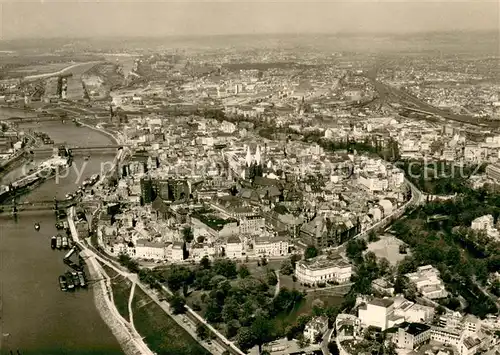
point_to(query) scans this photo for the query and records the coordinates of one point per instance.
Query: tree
(495, 288)
(302, 342)
(262, 330)
(202, 331)
(390, 349)
(373, 237)
(177, 276)
(232, 328)
(333, 348)
(230, 310)
(331, 312)
(177, 304)
(355, 248)
(411, 292)
(311, 252)
(440, 310)
(401, 284)
(205, 263)
(225, 267)
(243, 271)
(245, 338)
(318, 307)
(213, 311)
(271, 278)
(384, 267)
(302, 321)
(286, 267)
(187, 234)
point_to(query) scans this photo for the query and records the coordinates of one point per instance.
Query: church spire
(257, 156)
(248, 158)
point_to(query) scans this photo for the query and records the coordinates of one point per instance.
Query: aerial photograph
(231, 177)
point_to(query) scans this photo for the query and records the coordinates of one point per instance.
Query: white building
(482, 223)
(199, 251)
(234, 247)
(269, 246)
(412, 312)
(377, 313)
(175, 252)
(373, 183)
(145, 249)
(428, 282)
(412, 335)
(322, 270)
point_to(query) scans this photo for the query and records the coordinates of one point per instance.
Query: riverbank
(130, 342)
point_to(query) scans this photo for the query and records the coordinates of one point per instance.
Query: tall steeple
(257, 156)
(248, 158)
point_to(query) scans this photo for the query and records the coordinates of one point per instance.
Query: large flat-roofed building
(377, 313)
(411, 335)
(323, 269)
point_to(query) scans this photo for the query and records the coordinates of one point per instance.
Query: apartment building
(234, 247)
(270, 246)
(411, 335)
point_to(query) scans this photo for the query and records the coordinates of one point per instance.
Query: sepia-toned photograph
(233, 177)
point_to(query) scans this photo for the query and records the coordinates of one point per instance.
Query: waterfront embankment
(130, 341)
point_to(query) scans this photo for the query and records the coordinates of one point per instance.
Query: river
(36, 317)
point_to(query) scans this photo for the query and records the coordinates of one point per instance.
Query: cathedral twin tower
(253, 164)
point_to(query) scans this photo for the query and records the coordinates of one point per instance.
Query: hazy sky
(71, 18)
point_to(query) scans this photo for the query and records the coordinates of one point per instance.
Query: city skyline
(112, 19)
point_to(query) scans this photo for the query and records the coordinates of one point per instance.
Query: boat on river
(81, 276)
(59, 242)
(76, 279)
(53, 242)
(37, 226)
(65, 244)
(69, 280)
(63, 283)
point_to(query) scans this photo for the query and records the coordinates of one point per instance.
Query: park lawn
(111, 272)
(121, 292)
(286, 281)
(161, 333)
(305, 307)
(195, 296)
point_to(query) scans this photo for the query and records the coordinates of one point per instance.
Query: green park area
(464, 257)
(161, 333)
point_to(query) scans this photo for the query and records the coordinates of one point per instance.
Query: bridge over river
(42, 205)
(76, 151)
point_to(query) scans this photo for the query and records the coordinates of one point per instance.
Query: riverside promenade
(129, 339)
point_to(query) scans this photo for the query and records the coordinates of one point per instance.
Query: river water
(36, 317)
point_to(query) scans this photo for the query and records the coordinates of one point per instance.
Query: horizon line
(254, 34)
